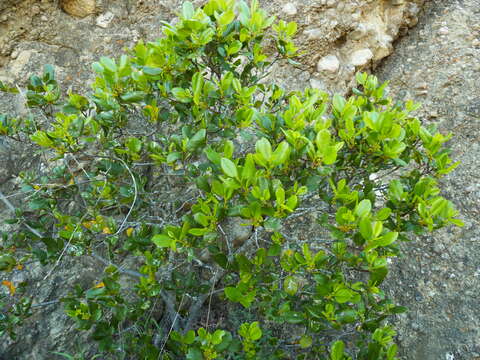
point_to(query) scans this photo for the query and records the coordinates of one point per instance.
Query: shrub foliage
(187, 163)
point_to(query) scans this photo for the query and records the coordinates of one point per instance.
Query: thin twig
(70, 240)
(46, 303)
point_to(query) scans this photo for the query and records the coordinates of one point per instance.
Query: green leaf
(338, 103)
(336, 351)
(392, 351)
(399, 309)
(202, 183)
(249, 170)
(108, 64)
(182, 95)
(66, 356)
(42, 139)
(378, 275)
(162, 240)
(264, 148)
(280, 195)
(255, 332)
(201, 218)
(322, 140)
(343, 295)
(197, 85)
(134, 145)
(234, 47)
(197, 140)
(305, 341)
(212, 155)
(292, 202)
(198, 231)
(228, 149)
(384, 214)
(174, 156)
(457, 222)
(49, 72)
(133, 96)
(347, 316)
(281, 153)
(226, 18)
(188, 10)
(194, 353)
(244, 12)
(7, 263)
(294, 317)
(290, 285)
(363, 208)
(217, 336)
(229, 168)
(233, 294)
(272, 224)
(387, 239)
(152, 71)
(365, 226)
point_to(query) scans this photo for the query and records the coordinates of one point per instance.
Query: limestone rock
(290, 9)
(313, 34)
(361, 57)
(237, 230)
(359, 33)
(78, 8)
(328, 63)
(443, 30)
(317, 84)
(104, 20)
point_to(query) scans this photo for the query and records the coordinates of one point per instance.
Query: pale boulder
(290, 9)
(329, 63)
(361, 57)
(78, 8)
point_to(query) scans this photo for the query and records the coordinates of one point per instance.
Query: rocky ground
(437, 62)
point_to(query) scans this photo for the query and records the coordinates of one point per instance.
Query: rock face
(438, 64)
(77, 39)
(359, 33)
(78, 8)
(361, 57)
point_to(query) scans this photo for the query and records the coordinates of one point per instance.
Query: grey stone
(329, 63)
(359, 32)
(290, 9)
(361, 57)
(314, 34)
(104, 20)
(236, 230)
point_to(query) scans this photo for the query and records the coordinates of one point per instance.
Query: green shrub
(187, 163)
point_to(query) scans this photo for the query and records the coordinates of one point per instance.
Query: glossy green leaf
(229, 167)
(363, 208)
(290, 285)
(162, 240)
(337, 350)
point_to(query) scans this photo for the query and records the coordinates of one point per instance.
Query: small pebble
(289, 9)
(328, 63)
(361, 57)
(313, 34)
(443, 30)
(104, 20)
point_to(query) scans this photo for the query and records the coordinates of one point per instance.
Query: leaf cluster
(186, 162)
